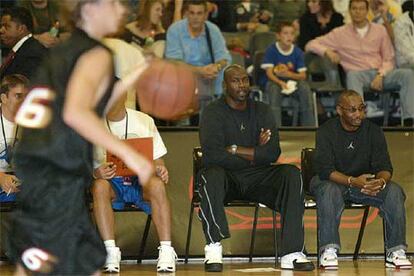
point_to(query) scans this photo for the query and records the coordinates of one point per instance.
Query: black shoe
(213, 267)
(306, 266)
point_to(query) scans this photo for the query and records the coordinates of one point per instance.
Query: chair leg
(315, 108)
(318, 245)
(361, 233)
(144, 239)
(190, 224)
(386, 107)
(275, 238)
(295, 118)
(384, 233)
(256, 215)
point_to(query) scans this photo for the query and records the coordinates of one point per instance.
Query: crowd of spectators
(152, 26)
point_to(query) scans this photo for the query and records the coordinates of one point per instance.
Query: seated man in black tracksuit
(240, 142)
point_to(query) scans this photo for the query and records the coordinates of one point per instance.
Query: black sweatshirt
(350, 153)
(222, 126)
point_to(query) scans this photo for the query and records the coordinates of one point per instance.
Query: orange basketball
(168, 90)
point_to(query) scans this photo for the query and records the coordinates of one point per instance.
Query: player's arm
(87, 84)
(124, 84)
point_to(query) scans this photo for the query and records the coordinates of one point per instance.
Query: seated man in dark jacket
(240, 142)
(352, 164)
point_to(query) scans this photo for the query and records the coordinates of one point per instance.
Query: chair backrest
(321, 69)
(260, 41)
(237, 58)
(308, 172)
(257, 70)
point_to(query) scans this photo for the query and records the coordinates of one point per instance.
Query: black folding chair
(195, 203)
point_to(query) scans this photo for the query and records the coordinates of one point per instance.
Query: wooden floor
(347, 268)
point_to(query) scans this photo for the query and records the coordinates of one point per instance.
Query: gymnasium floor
(261, 268)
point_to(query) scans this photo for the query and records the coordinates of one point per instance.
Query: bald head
(233, 68)
(343, 97)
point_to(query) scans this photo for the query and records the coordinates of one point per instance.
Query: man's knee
(395, 193)
(213, 176)
(154, 189)
(101, 188)
(326, 191)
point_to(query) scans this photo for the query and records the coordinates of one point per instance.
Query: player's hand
(9, 183)
(143, 168)
(333, 56)
(264, 137)
(377, 83)
(105, 171)
(162, 172)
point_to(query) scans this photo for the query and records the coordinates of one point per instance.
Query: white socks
(165, 243)
(109, 243)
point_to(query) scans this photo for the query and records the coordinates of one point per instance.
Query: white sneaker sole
(329, 267)
(111, 269)
(391, 265)
(165, 269)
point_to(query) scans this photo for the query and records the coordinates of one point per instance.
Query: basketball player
(52, 232)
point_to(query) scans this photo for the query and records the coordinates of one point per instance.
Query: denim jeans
(302, 95)
(403, 77)
(331, 198)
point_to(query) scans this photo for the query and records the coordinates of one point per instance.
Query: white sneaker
(113, 259)
(166, 259)
(296, 261)
(213, 261)
(398, 259)
(329, 259)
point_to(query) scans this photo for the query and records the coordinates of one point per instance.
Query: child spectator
(286, 74)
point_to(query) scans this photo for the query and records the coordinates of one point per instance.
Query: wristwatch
(219, 67)
(233, 149)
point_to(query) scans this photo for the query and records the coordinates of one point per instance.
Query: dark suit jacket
(27, 59)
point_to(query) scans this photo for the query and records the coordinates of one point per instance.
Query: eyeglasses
(361, 108)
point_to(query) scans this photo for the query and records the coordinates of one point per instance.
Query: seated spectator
(26, 53)
(319, 19)
(200, 44)
(147, 28)
(284, 64)
(382, 13)
(173, 12)
(258, 23)
(13, 90)
(342, 7)
(366, 53)
(353, 165)
(287, 11)
(47, 26)
(240, 141)
(404, 37)
(126, 123)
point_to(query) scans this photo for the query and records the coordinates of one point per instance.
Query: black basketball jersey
(58, 144)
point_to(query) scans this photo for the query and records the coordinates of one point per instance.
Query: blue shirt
(274, 55)
(194, 50)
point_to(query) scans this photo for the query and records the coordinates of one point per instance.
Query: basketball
(168, 90)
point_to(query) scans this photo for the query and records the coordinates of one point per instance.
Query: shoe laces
(166, 252)
(330, 253)
(399, 254)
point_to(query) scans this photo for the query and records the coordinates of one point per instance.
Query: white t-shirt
(140, 125)
(9, 135)
(126, 59)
